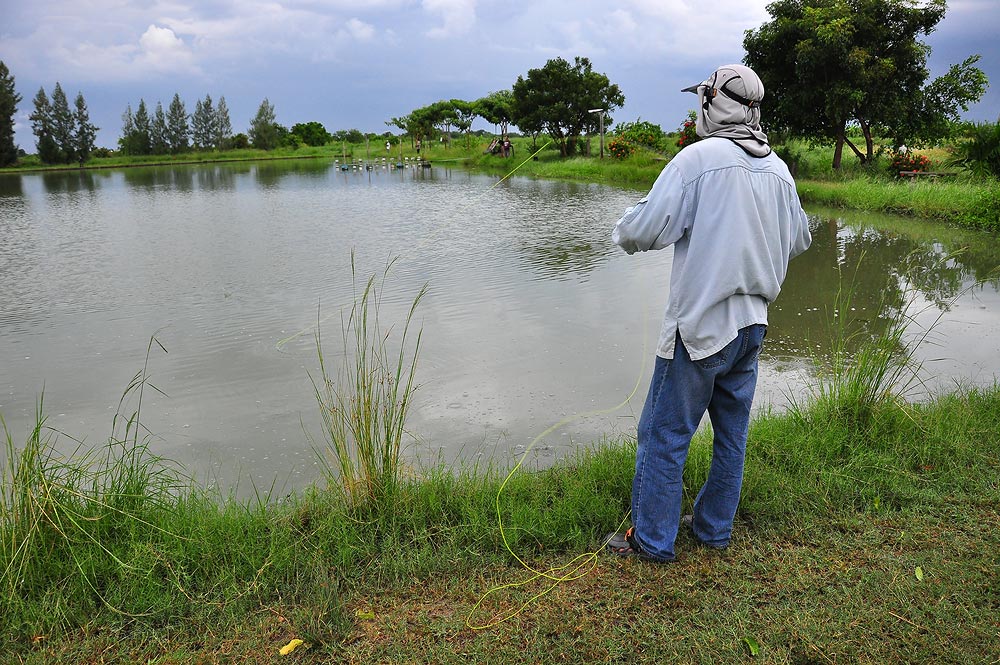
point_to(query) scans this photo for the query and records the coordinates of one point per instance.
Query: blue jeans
(679, 394)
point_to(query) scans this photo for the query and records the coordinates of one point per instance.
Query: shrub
(621, 148)
(688, 134)
(980, 151)
(641, 133)
(909, 161)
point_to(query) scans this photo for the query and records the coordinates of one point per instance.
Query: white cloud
(360, 30)
(458, 15)
(162, 51)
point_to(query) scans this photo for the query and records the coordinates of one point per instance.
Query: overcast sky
(358, 63)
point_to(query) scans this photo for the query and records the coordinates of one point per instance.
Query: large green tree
(203, 131)
(9, 99)
(421, 123)
(84, 132)
(159, 141)
(829, 64)
(223, 125)
(62, 125)
(178, 130)
(42, 126)
(464, 114)
(143, 138)
(264, 132)
(497, 108)
(559, 97)
(311, 133)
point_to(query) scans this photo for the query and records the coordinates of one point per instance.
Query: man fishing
(728, 206)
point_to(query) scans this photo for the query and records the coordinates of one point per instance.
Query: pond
(532, 315)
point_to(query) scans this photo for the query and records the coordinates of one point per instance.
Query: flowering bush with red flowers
(621, 148)
(641, 133)
(628, 137)
(688, 135)
(909, 161)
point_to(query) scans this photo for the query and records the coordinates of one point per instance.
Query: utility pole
(602, 112)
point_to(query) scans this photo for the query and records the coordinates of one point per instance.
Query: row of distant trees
(64, 133)
(559, 99)
(175, 131)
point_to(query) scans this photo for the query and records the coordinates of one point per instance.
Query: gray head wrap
(729, 107)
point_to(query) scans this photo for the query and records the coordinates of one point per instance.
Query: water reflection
(10, 185)
(556, 235)
(270, 174)
(877, 266)
(155, 178)
(215, 178)
(72, 182)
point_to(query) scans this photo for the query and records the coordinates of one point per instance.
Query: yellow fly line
(579, 566)
(582, 564)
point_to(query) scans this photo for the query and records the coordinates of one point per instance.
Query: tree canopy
(84, 132)
(178, 129)
(265, 133)
(497, 108)
(311, 133)
(826, 64)
(203, 121)
(62, 134)
(558, 98)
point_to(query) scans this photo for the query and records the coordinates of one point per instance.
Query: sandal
(624, 544)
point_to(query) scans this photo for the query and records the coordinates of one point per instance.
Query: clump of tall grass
(114, 537)
(365, 401)
(61, 517)
(979, 152)
(865, 371)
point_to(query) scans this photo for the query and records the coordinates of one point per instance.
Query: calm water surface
(532, 314)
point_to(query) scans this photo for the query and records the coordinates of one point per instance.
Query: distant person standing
(729, 207)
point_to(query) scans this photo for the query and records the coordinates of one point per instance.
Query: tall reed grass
(73, 511)
(365, 400)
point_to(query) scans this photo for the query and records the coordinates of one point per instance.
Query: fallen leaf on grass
(919, 572)
(290, 647)
(752, 645)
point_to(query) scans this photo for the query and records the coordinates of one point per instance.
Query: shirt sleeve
(656, 221)
(802, 238)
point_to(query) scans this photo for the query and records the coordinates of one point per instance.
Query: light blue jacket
(735, 221)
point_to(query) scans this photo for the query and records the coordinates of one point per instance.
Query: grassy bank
(876, 543)
(868, 532)
(966, 203)
(31, 164)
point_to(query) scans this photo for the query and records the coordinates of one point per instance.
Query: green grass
(975, 204)
(834, 522)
